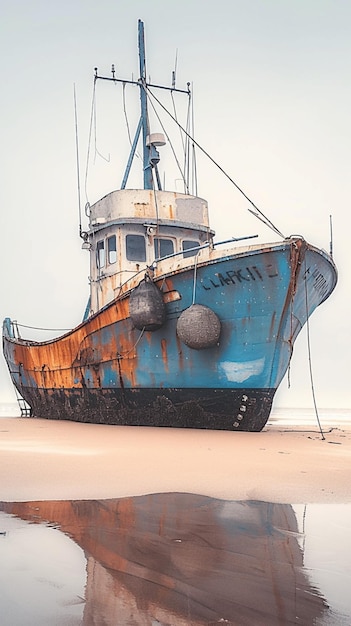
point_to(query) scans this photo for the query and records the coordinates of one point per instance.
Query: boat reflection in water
(180, 559)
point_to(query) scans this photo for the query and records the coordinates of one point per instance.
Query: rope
(135, 274)
(61, 330)
(156, 204)
(257, 213)
(310, 358)
(121, 355)
(195, 275)
(290, 342)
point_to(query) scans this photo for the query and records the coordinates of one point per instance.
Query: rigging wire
(175, 117)
(257, 212)
(97, 152)
(187, 144)
(310, 357)
(125, 112)
(89, 142)
(126, 118)
(92, 128)
(168, 139)
(184, 145)
(77, 161)
(194, 168)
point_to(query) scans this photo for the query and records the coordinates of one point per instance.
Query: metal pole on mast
(148, 182)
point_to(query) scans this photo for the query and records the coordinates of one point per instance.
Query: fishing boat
(179, 330)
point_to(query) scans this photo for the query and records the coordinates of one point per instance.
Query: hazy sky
(272, 101)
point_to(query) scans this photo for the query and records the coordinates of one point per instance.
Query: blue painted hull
(107, 371)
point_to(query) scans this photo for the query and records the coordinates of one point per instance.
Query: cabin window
(111, 249)
(163, 247)
(136, 250)
(188, 248)
(100, 254)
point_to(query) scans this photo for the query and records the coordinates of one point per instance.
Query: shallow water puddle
(174, 559)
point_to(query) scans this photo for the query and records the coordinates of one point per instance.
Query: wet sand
(50, 460)
(172, 559)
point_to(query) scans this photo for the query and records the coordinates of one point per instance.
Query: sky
(272, 101)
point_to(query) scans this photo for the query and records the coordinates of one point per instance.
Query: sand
(51, 460)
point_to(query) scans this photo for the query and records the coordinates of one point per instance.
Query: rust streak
(164, 353)
(271, 329)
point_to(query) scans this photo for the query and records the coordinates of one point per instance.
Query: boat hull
(216, 409)
(108, 371)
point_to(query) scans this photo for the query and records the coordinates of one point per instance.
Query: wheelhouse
(129, 234)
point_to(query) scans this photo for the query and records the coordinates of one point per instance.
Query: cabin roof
(144, 205)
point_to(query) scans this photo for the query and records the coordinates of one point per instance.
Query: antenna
(174, 72)
(331, 235)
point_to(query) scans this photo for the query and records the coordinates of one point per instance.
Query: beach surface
(51, 460)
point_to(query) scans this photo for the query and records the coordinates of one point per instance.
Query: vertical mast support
(148, 182)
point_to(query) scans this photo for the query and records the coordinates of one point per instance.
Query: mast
(150, 142)
(148, 182)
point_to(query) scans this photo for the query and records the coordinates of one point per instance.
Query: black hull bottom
(216, 409)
